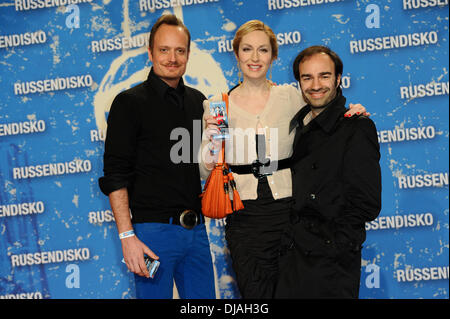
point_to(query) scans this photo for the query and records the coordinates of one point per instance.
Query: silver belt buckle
(189, 223)
(258, 168)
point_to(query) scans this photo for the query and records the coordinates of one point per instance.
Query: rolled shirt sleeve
(120, 145)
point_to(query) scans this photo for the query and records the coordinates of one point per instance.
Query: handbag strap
(221, 158)
(225, 99)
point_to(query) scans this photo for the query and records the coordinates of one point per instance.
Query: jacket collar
(327, 118)
(333, 111)
(297, 120)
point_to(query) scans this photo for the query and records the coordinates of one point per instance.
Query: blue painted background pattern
(62, 62)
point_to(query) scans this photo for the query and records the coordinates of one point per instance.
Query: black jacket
(149, 125)
(336, 189)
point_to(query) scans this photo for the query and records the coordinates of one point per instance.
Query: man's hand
(133, 254)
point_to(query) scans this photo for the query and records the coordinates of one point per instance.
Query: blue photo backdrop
(62, 62)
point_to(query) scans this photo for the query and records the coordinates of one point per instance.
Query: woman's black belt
(261, 169)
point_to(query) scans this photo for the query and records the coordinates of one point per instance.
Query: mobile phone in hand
(219, 111)
(152, 265)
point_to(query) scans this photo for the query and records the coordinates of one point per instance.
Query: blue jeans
(185, 257)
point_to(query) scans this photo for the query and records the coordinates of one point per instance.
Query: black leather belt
(261, 169)
(187, 218)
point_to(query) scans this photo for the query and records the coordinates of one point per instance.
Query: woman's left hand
(357, 109)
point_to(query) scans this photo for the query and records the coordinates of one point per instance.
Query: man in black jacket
(336, 186)
(143, 173)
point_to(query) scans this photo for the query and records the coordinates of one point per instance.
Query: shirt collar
(162, 87)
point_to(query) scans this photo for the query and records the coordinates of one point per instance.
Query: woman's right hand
(211, 127)
(214, 145)
(211, 130)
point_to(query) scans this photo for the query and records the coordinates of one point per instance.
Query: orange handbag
(216, 201)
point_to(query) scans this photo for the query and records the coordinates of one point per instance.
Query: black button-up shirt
(151, 148)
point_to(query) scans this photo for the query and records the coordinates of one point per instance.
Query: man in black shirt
(336, 186)
(145, 173)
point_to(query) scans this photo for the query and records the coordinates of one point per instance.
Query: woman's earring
(239, 74)
(270, 73)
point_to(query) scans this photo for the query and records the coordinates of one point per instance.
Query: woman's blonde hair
(255, 25)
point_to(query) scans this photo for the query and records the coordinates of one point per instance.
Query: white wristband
(126, 234)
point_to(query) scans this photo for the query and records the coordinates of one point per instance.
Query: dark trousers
(253, 236)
